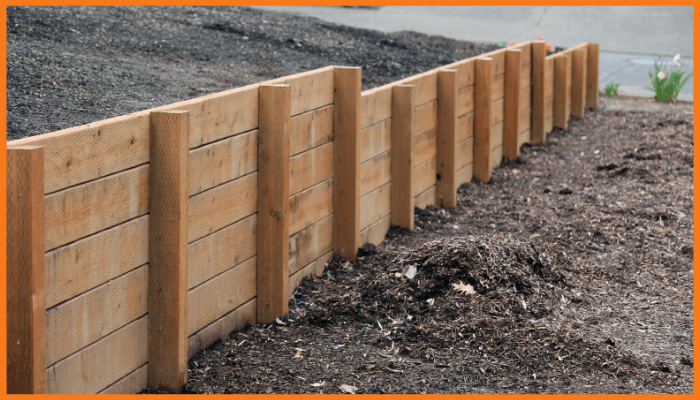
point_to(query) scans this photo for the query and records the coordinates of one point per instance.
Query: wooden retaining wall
(152, 235)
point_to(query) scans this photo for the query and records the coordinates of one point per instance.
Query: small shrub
(611, 89)
(666, 85)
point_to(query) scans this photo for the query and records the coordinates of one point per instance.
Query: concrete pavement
(630, 38)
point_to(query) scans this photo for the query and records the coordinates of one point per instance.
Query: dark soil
(570, 272)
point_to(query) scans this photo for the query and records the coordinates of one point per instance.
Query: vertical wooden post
(482, 119)
(346, 161)
(578, 82)
(274, 116)
(26, 306)
(593, 52)
(561, 91)
(447, 138)
(538, 79)
(512, 105)
(403, 109)
(168, 191)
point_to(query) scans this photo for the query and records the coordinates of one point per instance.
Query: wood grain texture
(103, 363)
(93, 315)
(446, 146)
(578, 82)
(465, 126)
(310, 167)
(426, 117)
(525, 136)
(498, 64)
(222, 327)
(376, 105)
(562, 92)
(424, 147)
(346, 161)
(402, 131)
(496, 156)
(465, 100)
(465, 174)
(91, 207)
(375, 139)
(592, 55)
(310, 129)
(512, 106)
(90, 262)
(376, 232)
(424, 176)
(310, 243)
(310, 205)
(525, 99)
(498, 86)
(526, 50)
(525, 119)
(168, 250)
(26, 305)
(308, 90)
(222, 161)
(376, 205)
(375, 172)
(273, 203)
(482, 119)
(221, 294)
(539, 134)
(465, 72)
(222, 250)
(134, 382)
(465, 153)
(426, 198)
(223, 205)
(525, 74)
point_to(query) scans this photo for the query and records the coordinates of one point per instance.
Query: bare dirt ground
(570, 272)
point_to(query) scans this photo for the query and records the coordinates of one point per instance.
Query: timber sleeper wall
(137, 241)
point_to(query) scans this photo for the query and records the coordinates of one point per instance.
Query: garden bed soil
(571, 271)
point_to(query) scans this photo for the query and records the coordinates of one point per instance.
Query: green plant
(611, 89)
(666, 85)
(328, 274)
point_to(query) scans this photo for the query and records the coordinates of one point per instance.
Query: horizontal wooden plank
(465, 127)
(90, 262)
(497, 111)
(524, 137)
(497, 135)
(424, 147)
(134, 382)
(310, 243)
(310, 167)
(220, 295)
(497, 156)
(102, 363)
(525, 119)
(425, 86)
(375, 105)
(465, 153)
(375, 139)
(314, 268)
(310, 205)
(498, 86)
(375, 205)
(310, 90)
(426, 198)
(222, 327)
(219, 115)
(375, 172)
(88, 208)
(549, 86)
(465, 174)
(376, 232)
(426, 118)
(424, 176)
(222, 161)
(465, 100)
(222, 206)
(525, 75)
(465, 72)
(84, 153)
(222, 250)
(95, 314)
(525, 100)
(310, 129)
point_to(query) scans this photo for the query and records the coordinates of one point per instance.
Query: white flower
(676, 58)
(661, 75)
